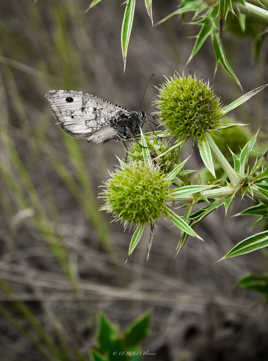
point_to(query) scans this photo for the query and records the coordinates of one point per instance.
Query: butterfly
(88, 116)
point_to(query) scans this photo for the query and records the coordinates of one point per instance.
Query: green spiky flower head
(157, 146)
(136, 194)
(188, 107)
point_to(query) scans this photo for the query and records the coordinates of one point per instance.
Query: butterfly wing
(83, 115)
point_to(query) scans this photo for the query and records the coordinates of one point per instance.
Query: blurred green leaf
(138, 331)
(126, 28)
(149, 8)
(255, 283)
(106, 335)
(247, 245)
(136, 238)
(98, 357)
(93, 3)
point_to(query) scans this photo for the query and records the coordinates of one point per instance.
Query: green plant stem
(218, 192)
(234, 179)
(257, 11)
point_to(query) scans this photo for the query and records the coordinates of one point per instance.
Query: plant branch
(257, 11)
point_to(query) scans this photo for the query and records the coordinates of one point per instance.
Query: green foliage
(188, 107)
(113, 345)
(257, 283)
(164, 156)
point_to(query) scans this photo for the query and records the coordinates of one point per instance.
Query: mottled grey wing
(83, 115)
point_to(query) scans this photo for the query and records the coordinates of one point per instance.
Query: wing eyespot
(69, 99)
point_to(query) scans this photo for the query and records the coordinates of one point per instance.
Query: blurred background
(62, 256)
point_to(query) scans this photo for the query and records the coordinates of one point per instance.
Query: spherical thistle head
(136, 194)
(156, 146)
(188, 107)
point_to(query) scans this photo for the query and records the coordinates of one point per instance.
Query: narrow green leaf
(260, 209)
(126, 28)
(262, 188)
(177, 145)
(236, 161)
(138, 331)
(93, 3)
(247, 245)
(181, 224)
(244, 154)
(243, 99)
(206, 155)
(136, 238)
(149, 8)
(230, 125)
(257, 283)
(180, 192)
(242, 21)
(146, 151)
(221, 58)
(173, 174)
(205, 211)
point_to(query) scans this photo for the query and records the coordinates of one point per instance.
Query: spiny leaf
(181, 224)
(243, 99)
(126, 28)
(247, 245)
(136, 238)
(221, 58)
(146, 151)
(181, 192)
(206, 155)
(173, 174)
(244, 154)
(205, 31)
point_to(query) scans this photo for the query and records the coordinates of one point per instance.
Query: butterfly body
(87, 116)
